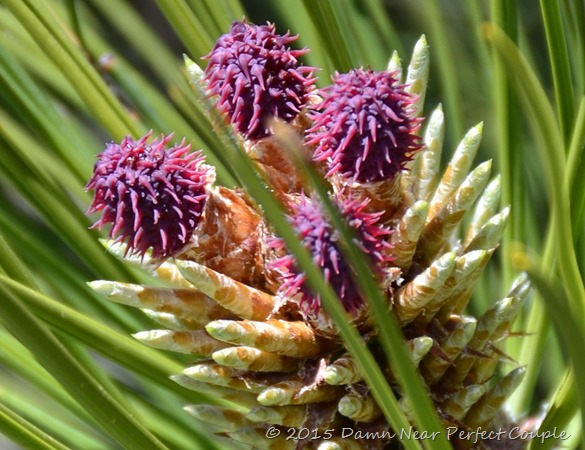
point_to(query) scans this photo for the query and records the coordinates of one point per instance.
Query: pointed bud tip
(142, 336)
(261, 414)
(225, 329)
(197, 411)
(349, 405)
(336, 375)
(447, 260)
(102, 287)
(421, 50)
(272, 396)
(179, 379)
(394, 63)
(423, 344)
(193, 69)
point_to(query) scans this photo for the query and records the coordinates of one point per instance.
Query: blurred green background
(76, 74)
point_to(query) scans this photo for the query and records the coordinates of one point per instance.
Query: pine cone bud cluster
(238, 301)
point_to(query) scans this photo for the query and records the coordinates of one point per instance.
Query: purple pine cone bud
(152, 196)
(364, 127)
(321, 238)
(256, 76)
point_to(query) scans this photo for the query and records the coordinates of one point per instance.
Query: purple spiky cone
(152, 196)
(321, 238)
(255, 76)
(364, 128)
